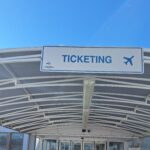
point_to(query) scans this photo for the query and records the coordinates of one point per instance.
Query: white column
(87, 96)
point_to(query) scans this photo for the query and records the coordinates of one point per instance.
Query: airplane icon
(48, 65)
(128, 60)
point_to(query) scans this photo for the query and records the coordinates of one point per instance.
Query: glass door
(65, 146)
(116, 146)
(49, 144)
(100, 146)
(3, 141)
(16, 141)
(88, 146)
(76, 145)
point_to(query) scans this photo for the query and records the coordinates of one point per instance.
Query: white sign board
(92, 60)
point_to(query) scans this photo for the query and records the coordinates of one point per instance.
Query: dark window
(3, 141)
(16, 141)
(116, 146)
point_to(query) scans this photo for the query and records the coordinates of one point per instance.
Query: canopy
(45, 103)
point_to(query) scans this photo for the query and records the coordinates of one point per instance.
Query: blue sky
(27, 23)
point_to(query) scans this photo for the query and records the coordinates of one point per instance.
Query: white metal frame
(95, 108)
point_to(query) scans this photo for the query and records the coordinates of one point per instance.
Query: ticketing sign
(92, 60)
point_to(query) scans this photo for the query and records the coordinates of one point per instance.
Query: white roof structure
(62, 104)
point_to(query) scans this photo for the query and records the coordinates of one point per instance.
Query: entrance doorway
(100, 146)
(116, 146)
(76, 146)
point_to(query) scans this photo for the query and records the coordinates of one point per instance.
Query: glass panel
(76, 146)
(65, 146)
(88, 146)
(116, 146)
(51, 144)
(16, 141)
(44, 144)
(48, 146)
(100, 146)
(3, 141)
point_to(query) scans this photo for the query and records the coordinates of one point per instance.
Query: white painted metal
(72, 100)
(87, 97)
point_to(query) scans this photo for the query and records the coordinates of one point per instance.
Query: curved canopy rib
(31, 101)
